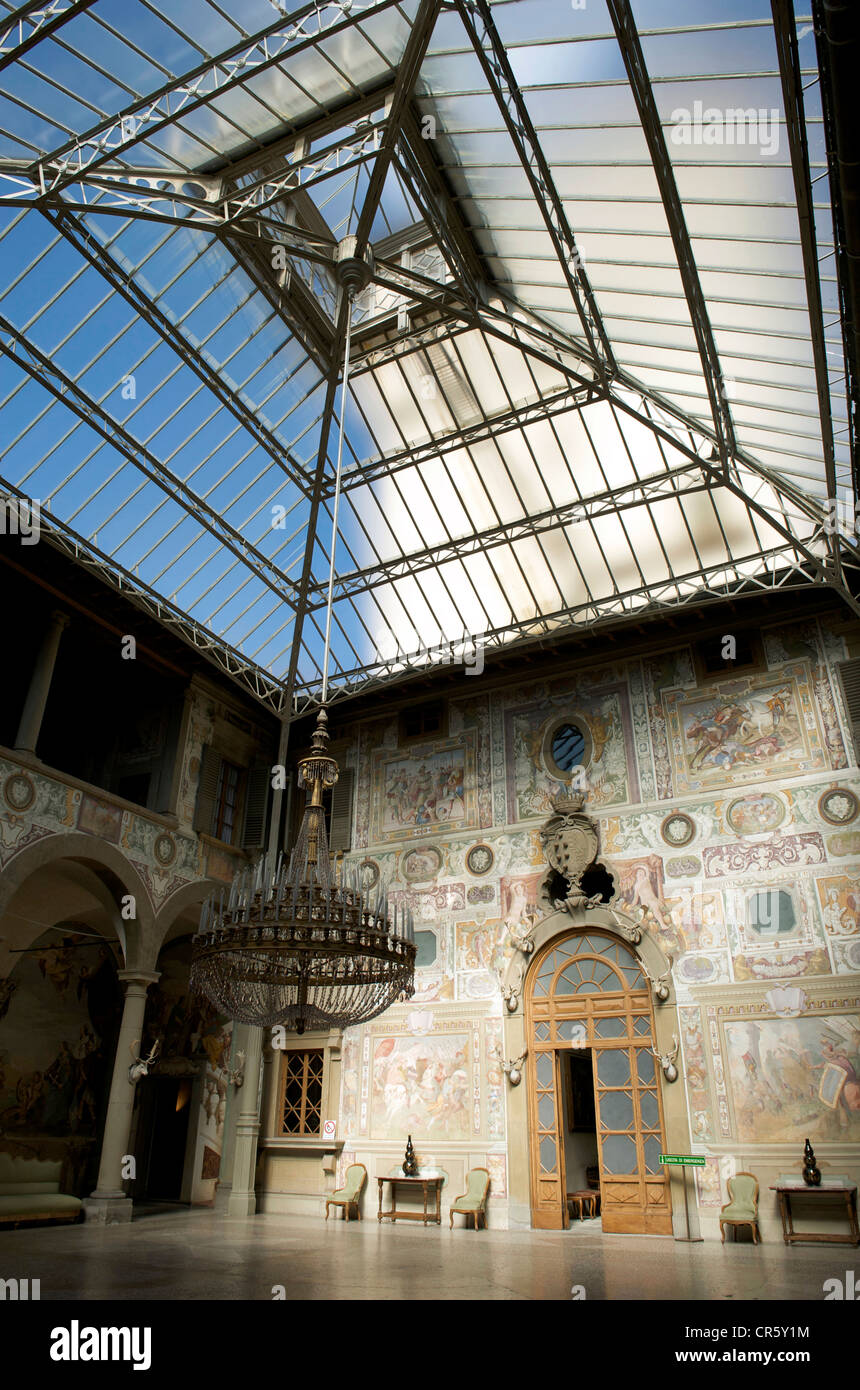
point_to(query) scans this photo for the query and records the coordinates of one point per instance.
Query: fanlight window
(578, 972)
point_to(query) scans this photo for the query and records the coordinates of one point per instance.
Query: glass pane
(649, 1109)
(542, 1032)
(547, 1154)
(568, 746)
(645, 1065)
(619, 1154)
(571, 1028)
(613, 1068)
(570, 981)
(616, 1109)
(610, 1027)
(652, 1147)
(642, 1026)
(548, 969)
(546, 1111)
(544, 1069)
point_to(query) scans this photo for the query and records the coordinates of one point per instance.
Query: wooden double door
(587, 990)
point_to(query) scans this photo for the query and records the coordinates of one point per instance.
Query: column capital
(61, 619)
(142, 978)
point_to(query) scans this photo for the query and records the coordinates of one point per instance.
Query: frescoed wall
(59, 1016)
(728, 811)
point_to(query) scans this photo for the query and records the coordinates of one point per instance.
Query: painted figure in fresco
(82, 1111)
(57, 964)
(60, 1077)
(778, 706)
(28, 1093)
(643, 892)
(397, 794)
(712, 731)
(601, 731)
(839, 916)
(849, 1097)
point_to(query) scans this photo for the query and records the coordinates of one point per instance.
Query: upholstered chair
(474, 1200)
(348, 1195)
(742, 1206)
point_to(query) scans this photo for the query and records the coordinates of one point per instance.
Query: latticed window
(301, 1099)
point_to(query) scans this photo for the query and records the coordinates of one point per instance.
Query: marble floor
(205, 1254)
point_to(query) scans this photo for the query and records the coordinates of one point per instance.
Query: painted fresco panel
(795, 1078)
(421, 1086)
(427, 787)
(744, 729)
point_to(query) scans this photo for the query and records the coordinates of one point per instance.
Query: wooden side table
(587, 1199)
(426, 1184)
(785, 1192)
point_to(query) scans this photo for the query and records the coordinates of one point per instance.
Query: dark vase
(811, 1173)
(410, 1167)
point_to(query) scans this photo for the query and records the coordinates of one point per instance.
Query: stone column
(234, 1101)
(40, 684)
(109, 1203)
(243, 1197)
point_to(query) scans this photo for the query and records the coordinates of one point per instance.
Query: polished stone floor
(205, 1254)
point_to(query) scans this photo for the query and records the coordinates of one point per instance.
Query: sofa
(30, 1191)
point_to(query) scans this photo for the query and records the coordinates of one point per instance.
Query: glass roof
(597, 371)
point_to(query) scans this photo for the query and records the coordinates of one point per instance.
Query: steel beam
(407, 76)
(716, 583)
(29, 24)
(287, 37)
(100, 258)
(15, 346)
(492, 55)
(252, 679)
(795, 120)
(640, 84)
(675, 484)
(466, 437)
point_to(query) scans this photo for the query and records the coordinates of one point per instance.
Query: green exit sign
(686, 1160)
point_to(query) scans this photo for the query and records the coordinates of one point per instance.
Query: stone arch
(105, 862)
(609, 919)
(190, 895)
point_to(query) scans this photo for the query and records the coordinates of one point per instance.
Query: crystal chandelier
(292, 944)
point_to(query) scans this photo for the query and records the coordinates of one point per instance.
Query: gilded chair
(474, 1200)
(742, 1206)
(348, 1195)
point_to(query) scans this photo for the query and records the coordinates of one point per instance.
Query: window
(226, 802)
(566, 744)
(423, 721)
(232, 801)
(717, 655)
(567, 747)
(301, 1094)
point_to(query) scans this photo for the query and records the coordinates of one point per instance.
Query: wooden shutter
(256, 806)
(207, 789)
(849, 679)
(340, 831)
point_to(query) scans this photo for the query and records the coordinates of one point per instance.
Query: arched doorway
(586, 990)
